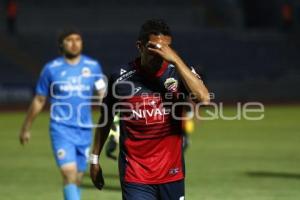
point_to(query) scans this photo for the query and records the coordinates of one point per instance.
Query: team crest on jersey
(171, 84)
(86, 72)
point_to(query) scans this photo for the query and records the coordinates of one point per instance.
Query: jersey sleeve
(43, 84)
(172, 84)
(109, 99)
(182, 87)
(100, 82)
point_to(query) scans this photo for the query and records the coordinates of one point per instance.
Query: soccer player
(113, 138)
(70, 82)
(149, 93)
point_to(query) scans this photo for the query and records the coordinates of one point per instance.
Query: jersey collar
(73, 65)
(159, 73)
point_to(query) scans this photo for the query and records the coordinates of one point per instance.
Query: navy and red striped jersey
(151, 128)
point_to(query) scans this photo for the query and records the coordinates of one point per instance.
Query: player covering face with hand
(69, 82)
(148, 93)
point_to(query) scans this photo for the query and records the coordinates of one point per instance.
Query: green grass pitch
(227, 160)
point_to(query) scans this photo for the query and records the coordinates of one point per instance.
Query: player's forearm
(99, 141)
(101, 136)
(35, 108)
(100, 95)
(194, 85)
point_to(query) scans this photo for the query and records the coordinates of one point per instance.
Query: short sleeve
(43, 84)
(100, 82)
(109, 100)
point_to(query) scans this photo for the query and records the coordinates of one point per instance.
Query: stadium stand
(233, 61)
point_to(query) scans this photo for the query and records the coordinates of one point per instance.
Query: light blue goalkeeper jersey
(70, 89)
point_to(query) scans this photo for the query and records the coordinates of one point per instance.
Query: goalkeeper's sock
(71, 192)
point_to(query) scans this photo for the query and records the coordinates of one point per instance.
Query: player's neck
(150, 68)
(73, 61)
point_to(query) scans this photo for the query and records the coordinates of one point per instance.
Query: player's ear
(138, 45)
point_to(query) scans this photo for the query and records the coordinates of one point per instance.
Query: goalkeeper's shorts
(70, 145)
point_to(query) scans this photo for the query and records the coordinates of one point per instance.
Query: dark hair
(65, 33)
(155, 27)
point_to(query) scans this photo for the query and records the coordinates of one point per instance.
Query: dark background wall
(247, 50)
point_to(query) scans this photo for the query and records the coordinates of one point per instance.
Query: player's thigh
(172, 190)
(63, 150)
(134, 191)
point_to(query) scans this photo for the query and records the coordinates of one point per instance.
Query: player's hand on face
(164, 50)
(97, 176)
(24, 137)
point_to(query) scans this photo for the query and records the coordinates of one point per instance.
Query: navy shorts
(166, 191)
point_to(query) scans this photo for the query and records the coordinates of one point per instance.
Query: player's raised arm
(192, 83)
(35, 108)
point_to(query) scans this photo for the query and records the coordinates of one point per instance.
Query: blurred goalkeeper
(113, 140)
(69, 82)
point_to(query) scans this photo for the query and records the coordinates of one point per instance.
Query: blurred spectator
(11, 16)
(287, 16)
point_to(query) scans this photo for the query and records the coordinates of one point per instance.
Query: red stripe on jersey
(159, 73)
(163, 68)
